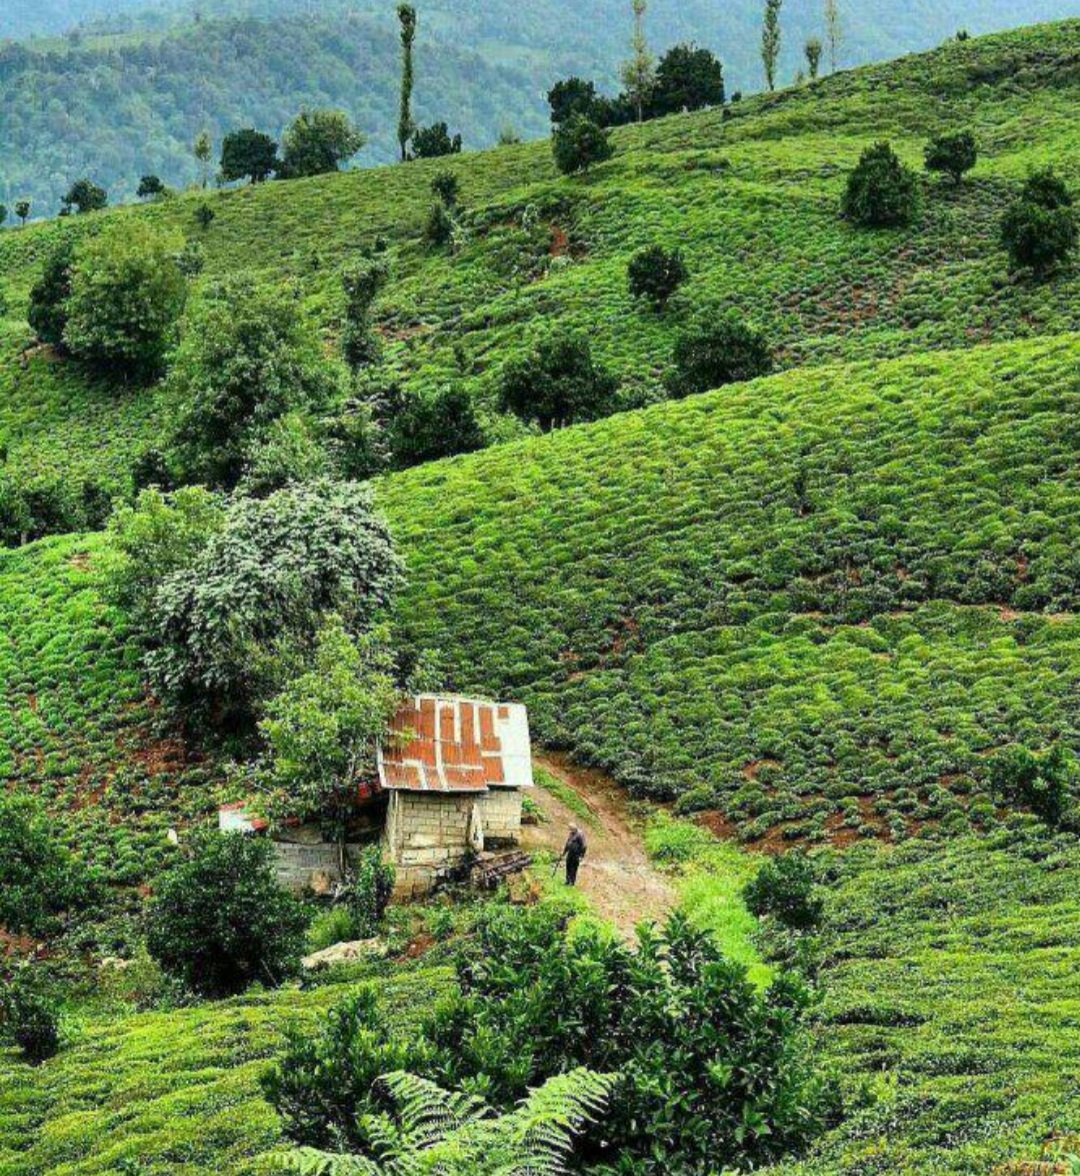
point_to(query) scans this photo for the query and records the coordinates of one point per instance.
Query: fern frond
(309, 1161)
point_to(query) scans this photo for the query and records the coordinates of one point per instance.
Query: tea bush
(30, 1012)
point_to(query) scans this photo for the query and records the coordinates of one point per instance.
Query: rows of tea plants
(817, 601)
(750, 194)
(951, 982)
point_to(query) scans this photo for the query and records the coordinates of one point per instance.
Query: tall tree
(639, 73)
(833, 32)
(203, 149)
(812, 49)
(22, 210)
(770, 40)
(406, 126)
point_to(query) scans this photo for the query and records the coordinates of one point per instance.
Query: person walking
(574, 850)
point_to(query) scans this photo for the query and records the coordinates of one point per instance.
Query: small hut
(454, 770)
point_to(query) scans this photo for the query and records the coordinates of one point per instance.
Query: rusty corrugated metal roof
(456, 745)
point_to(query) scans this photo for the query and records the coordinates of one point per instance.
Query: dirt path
(616, 874)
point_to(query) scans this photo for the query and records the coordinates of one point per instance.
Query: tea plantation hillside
(751, 195)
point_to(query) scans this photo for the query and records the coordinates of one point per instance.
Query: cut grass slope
(811, 601)
(752, 199)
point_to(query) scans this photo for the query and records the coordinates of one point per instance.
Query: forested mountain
(128, 94)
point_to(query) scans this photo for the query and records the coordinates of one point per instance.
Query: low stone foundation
(500, 810)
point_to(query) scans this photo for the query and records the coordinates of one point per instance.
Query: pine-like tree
(406, 126)
(639, 73)
(770, 40)
(203, 149)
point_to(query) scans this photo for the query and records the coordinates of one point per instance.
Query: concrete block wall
(428, 833)
(500, 811)
(307, 866)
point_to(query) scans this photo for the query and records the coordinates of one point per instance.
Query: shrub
(219, 921)
(579, 144)
(712, 354)
(439, 227)
(127, 293)
(322, 1084)
(674, 1018)
(39, 879)
(785, 888)
(1043, 783)
(369, 891)
(261, 587)
(362, 284)
(434, 142)
(247, 358)
(150, 187)
(952, 154)
(47, 315)
(30, 1012)
(333, 925)
(205, 216)
(447, 187)
(440, 424)
(1039, 230)
(655, 273)
(559, 384)
(287, 453)
(881, 192)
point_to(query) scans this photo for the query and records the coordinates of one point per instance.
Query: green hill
(752, 200)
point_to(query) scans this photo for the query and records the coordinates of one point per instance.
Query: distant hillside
(116, 106)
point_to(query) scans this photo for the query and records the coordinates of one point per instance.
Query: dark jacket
(575, 846)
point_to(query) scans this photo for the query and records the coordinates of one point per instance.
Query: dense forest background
(128, 84)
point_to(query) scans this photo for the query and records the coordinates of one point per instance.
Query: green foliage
(881, 192)
(812, 51)
(204, 216)
(954, 154)
(559, 384)
(370, 889)
(127, 293)
(219, 921)
(785, 888)
(22, 210)
(579, 145)
(160, 534)
(322, 1083)
(318, 141)
(447, 187)
(39, 879)
(248, 357)
(362, 283)
(85, 196)
(437, 425)
(1043, 783)
(30, 1012)
(47, 314)
(711, 354)
(261, 588)
(248, 154)
(656, 273)
(570, 97)
(687, 78)
(427, 1129)
(323, 729)
(150, 187)
(1040, 229)
(770, 41)
(434, 142)
(712, 1071)
(406, 126)
(439, 229)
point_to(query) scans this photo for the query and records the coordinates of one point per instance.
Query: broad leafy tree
(579, 144)
(248, 357)
(1040, 230)
(232, 624)
(85, 196)
(881, 192)
(570, 97)
(559, 384)
(953, 154)
(22, 210)
(655, 273)
(711, 354)
(218, 920)
(49, 295)
(127, 293)
(435, 141)
(687, 78)
(248, 154)
(318, 141)
(150, 187)
(435, 424)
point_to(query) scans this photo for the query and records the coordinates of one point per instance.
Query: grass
(567, 796)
